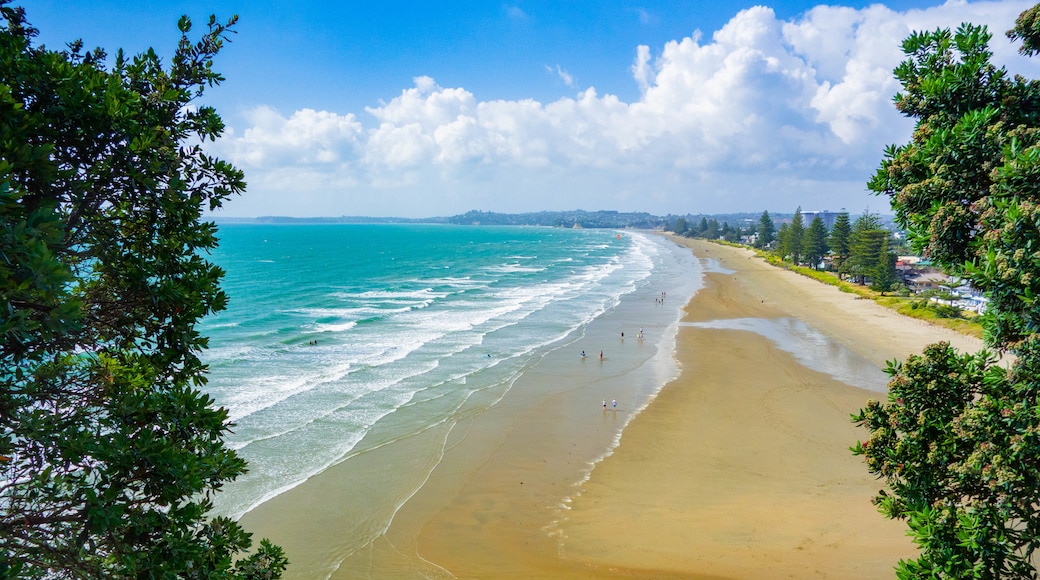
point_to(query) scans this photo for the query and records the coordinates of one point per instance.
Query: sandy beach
(739, 468)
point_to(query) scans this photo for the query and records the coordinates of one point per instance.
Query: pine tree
(712, 232)
(883, 277)
(766, 231)
(864, 247)
(796, 235)
(838, 240)
(783, 241)
(815, 242)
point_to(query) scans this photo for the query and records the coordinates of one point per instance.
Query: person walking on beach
(601, 355)
(614, 404)
(604, 404)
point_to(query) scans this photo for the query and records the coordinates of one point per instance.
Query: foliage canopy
(766, 231)
(815, 243)
(109, 453)
(958, 440)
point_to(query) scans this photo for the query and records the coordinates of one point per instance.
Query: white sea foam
(340, 327)
(427, 346)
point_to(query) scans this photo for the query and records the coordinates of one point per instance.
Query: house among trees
(929, 279)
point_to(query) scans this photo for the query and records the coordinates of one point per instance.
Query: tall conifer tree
(815, 242)
(838, 240)
(766, 231)
(796, 235)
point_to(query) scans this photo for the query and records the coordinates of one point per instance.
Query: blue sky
(418, 109)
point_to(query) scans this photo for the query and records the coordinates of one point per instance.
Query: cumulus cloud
(308, 137)
(641, 70)
(766, 114)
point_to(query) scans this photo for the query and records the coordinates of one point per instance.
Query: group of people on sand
(613, 402)
(638, 336)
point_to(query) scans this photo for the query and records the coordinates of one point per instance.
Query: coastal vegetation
(766, 231)
(109, 452)
(918, 306)
(958, 439)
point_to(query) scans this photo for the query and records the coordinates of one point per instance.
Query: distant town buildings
(827, 216)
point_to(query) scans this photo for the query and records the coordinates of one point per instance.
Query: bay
(340, 339)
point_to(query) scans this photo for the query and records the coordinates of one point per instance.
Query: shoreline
(725, 482)
(536, 442)
(737, 469)
(730, 469)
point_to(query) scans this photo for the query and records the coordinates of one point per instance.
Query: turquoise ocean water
(341, 338)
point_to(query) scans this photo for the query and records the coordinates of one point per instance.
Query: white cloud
(308, 137)
(641, 70)
(566, 77)
(767, 114)
(425, 104)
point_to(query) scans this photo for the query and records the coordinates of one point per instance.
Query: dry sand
(738, 469)
(741, 468)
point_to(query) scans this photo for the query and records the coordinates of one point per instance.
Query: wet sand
(490, 480)
(738, 469)
(741, 468)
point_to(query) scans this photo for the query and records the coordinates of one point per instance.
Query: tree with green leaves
(958, 440)
(783, 240)
(110, 454)
(865, 241)
(838, 240)
(766, 231)
(814, 242)
(796, 235)
(732, 234)
(712, 231)
(883, 278)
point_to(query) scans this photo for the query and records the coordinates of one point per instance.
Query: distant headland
(561, 219)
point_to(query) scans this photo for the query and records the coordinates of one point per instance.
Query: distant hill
(566, 219)
(558, 219)
(562, 219)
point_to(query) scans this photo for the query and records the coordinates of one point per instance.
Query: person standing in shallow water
(601, 355)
